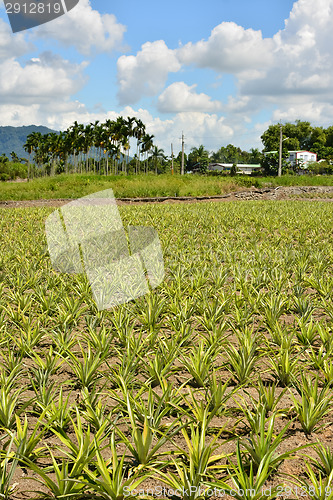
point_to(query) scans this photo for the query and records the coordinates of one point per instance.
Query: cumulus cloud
(197, 126)
(41, 79)
(85, 29)
(181, 97)
(290, 73)
(59, 115)
(11, 46)
(302, 61)
(229, 49)
(146, 73)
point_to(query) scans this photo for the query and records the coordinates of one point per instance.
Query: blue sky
(221, 71)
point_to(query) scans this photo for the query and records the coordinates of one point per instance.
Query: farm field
(221, 379)
(137, 186)
(131, 186)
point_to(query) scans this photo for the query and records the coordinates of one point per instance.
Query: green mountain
(13, 139)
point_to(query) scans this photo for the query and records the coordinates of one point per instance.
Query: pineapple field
(218, 383)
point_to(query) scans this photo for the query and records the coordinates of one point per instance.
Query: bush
(247, 181)
(323, 167)
(11, 170)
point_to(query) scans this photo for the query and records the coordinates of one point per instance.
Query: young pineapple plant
(86, 369)
(273, 307)
(241, 361)
(285, 365)
(314, 405)
(8, 465)
(263, 444)
(317, 486)
(194, 472)
(199, 363)
(146, 439)
(245, 483)
(268, 395)
(111, 479)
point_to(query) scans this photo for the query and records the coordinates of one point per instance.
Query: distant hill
(13, 139)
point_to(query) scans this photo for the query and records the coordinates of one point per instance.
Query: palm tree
(99, 143)
(74, 146)
(74, 132)
(146, 146)
(121, 135)
(157, 154)
(51, 149)
(200, 156)
(87, 142)
(28, 147)
(129, 123)
(138, 132)
(14, 157)
(33, 145)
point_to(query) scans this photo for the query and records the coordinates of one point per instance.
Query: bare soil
(302, 193)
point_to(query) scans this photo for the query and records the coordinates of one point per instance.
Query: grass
(77, 185)
(298, 180)
(208, 380)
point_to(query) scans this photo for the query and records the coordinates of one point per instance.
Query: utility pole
(171, 159)
(183, 146)
(280, 153)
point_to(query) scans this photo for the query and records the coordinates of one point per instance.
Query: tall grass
(77, 185)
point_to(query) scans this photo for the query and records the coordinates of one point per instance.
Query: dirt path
(308, 193)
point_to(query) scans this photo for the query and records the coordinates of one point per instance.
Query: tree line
(105, 148)
(102, 148)
(297, 136)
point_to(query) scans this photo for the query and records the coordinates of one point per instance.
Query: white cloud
(59, 115)
(237, 105)
(42, 79)
(291, 73)
(229, 49)
(181, 97)
(145, 73)
(302, 62)
(11, 46)
(197, 126)
(298, 81)
(85, 29)
(319, 113)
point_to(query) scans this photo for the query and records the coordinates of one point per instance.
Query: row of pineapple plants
(200, 386)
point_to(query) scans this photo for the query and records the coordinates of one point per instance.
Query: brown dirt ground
(301, 193)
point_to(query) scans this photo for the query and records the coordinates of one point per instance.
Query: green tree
(255, 156)
(14, 157)
(230, 154)
(271, 138)
(146, 146)
(157, 156)
(233, 170)
(198, 158)
(270, 162)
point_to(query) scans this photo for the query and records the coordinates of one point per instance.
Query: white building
(241, 168)
(302, 159)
